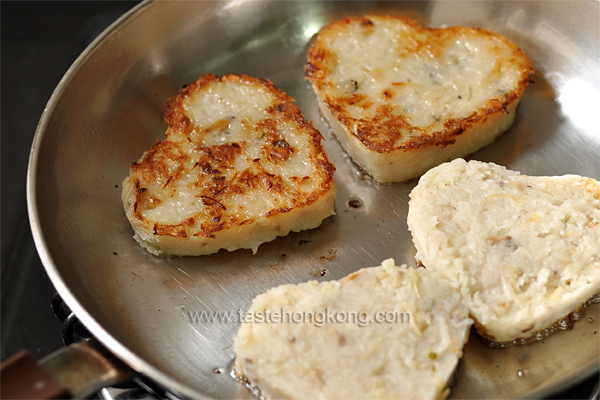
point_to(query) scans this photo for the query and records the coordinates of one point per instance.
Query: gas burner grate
(138, 387)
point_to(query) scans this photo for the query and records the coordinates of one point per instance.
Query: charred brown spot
(350, 100)
(310, 69)
(136, 202)
(318, 54)
(276, 149)
(299, 180)
(154, 165)
(209, 201)
(207, 168)
(278, 211)
(283, 110)
(381, 132)
(268, 129)
(177, 230)
(153, 202)
(219, 190)
(175, 114)
(280, 150)
(224, 153)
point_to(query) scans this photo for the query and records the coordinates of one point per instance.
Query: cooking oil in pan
(244, 380)
(563, 324)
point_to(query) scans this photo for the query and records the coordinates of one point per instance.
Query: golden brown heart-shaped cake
(402, 99)
(239, 166)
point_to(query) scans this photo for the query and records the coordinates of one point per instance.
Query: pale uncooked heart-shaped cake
(524, 251)
(385, 332)
(402, 99)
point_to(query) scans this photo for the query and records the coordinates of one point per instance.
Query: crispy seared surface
(237, 151)
(396, 86)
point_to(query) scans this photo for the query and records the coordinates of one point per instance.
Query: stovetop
(40, 40)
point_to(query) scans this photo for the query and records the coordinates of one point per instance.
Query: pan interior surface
(109, 108)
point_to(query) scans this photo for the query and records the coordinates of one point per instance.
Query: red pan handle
(22, 378)
(76, 371)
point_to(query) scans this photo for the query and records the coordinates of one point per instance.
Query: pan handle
(76, 371)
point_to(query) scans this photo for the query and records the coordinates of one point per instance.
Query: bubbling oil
(563, 324)
(244, 380)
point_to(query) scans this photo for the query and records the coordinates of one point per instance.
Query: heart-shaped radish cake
(239, 166)
(402, 99)
(386, 332)
(524, 251)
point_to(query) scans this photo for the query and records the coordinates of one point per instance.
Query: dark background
(40, 40)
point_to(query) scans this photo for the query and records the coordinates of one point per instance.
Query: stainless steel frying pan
(108, 109)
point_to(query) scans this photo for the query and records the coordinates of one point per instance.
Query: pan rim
(99, 332)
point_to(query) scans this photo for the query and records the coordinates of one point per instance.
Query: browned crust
(217, 180)
(386, 132)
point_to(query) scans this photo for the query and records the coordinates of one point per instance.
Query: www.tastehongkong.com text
(317, 318)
